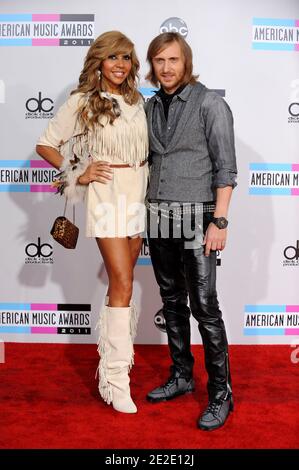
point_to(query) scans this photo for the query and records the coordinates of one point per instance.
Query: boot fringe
(105, 388)
(134, 317)
(133, 320)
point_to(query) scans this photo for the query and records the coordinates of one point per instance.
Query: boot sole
(212, 428)
(158, 400)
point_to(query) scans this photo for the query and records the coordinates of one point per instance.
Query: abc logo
(38, 104)
(159, 321)
(174, 25)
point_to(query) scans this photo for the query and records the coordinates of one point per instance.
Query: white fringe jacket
(125, 141)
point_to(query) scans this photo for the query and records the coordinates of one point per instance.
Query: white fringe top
(124, 141)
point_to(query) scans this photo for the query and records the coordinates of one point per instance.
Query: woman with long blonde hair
(98, 139)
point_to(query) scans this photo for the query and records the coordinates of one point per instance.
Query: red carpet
(49, 399)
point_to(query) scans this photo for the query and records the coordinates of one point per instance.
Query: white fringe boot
(117, 357)
(134, 318)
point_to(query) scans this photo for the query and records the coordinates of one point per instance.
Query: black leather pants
(181, 271)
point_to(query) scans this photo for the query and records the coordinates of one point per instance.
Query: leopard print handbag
(64, 231)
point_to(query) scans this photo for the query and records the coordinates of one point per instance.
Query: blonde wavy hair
(109, 43)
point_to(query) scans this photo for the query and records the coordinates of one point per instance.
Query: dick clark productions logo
(291, 255)
(39, 253)
(39, 107)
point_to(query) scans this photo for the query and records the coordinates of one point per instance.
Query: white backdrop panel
(66, 289)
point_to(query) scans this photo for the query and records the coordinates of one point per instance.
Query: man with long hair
(193, 171)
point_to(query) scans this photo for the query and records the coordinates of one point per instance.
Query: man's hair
(158, 44)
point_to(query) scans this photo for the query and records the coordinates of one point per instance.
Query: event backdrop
(246, 51)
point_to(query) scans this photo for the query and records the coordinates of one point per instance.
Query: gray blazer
(198, 155)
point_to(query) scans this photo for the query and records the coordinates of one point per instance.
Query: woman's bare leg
(117, 257)
(135, 247)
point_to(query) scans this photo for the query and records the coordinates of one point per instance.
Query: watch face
(221, 222)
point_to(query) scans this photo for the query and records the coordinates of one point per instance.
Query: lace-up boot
(176, 385)
(216, 413)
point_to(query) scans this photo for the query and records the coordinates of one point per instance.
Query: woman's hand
(96, 171)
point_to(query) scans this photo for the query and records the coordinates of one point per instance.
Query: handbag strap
(64, 212)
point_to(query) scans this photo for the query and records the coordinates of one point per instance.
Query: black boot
(219, 382)
(176, 385)
(178, 332)
(216, 412)
(166, 255)
(201, 278)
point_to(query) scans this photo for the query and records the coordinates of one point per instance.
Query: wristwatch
(220, 222)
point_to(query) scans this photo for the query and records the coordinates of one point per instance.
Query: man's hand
(215, 239)
(96, 171)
